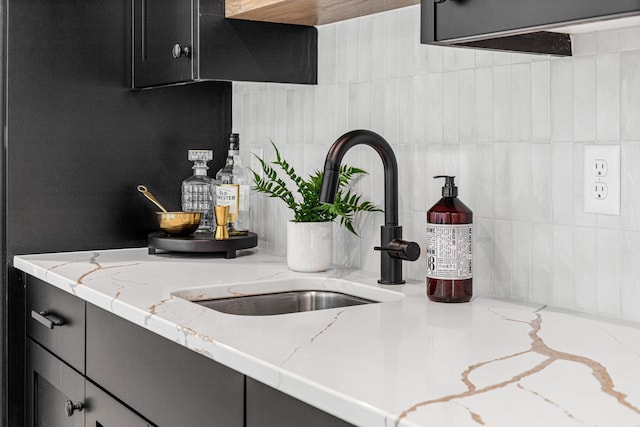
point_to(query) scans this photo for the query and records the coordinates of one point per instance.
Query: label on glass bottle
(449, 251)
(228, 195)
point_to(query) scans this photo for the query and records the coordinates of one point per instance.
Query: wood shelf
(308, 12)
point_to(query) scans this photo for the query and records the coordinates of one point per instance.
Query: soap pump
(449, 247)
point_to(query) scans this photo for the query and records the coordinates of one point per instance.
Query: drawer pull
(70, 407)
(47, 319)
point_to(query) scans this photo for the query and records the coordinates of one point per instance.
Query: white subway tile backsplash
(484, 58)
(584, 94)
(418, 109)
(450, 60)
(503, 257)
(562, 179)
(561, 100)
(521, 102)
(483, 257)
(520, 181)
(608, 97)
(608, 264)
(434, 108)
(630, 182)
(407, 32)
(436, 58)
(484, 104)
(502, 119)
(563, 266)
(542, 263)
(541, 101)
(584, 269)
(502, 181)
(364, 50)
(521, 272)
(584, 44)
(629, 288)
(484, 180)
(390, 28)
(541, 183)
(450, 109)
(406, 94)
(630, 95)
(391, 110)
(466, 59)
(608, 41)
(466, 106)
(510, 127)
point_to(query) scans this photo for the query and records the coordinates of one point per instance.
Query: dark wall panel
(79, 141)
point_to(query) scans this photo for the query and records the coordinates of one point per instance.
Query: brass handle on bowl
(148, 195)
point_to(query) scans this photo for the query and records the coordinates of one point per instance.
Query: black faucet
(393, 249)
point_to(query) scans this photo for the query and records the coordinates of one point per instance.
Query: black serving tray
(200, 243)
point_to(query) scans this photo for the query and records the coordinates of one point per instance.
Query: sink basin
(283, 302)
(286, 295)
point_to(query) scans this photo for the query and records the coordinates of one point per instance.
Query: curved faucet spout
(382, 147)
(392, 249)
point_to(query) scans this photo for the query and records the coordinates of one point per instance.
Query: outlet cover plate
(596, 159)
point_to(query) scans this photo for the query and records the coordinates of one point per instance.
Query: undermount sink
(283, 302)
(287, 295)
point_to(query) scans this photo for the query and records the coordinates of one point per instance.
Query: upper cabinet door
(163, 42)
(182, 41)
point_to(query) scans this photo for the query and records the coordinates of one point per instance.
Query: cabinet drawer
(56, 320)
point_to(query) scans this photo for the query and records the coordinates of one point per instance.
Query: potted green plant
(310, 233)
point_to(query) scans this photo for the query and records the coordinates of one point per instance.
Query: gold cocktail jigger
(222, 212)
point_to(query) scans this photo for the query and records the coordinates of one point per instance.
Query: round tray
(204, 242)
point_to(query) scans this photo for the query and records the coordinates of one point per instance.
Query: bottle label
(449, 251)
(227, 195)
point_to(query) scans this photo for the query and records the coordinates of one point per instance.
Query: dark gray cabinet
(515, 25)
(104, 411)
(131, 377)
(168, 383)
(50, 385)
(269, 407)
(59, 396)
(181, 41)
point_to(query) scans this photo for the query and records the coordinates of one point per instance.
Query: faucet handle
(401, 249)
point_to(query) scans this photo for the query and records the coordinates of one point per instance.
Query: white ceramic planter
(309, 246)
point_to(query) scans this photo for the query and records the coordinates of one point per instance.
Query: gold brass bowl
(178, 223)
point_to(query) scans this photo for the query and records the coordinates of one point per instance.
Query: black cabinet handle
(47, 319)
(70, 407)
(179, 50)
(439, 1)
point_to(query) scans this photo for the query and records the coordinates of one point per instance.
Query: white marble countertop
(405, 362)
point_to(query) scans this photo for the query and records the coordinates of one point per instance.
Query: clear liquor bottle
(198, 191)
(233, 189)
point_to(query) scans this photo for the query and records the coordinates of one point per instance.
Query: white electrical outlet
(602, 179)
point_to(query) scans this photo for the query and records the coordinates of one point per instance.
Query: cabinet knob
(179, 50)
(70, 407)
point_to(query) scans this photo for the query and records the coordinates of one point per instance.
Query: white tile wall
(511, 127)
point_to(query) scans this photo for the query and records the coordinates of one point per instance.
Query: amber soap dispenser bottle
(449, 247)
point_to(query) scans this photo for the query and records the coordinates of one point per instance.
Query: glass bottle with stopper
(233, 189)
(198, 191)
